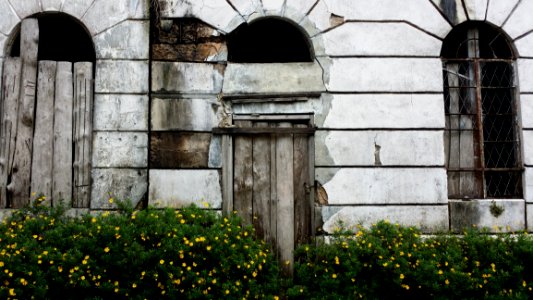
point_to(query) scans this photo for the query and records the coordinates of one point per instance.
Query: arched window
(268, 40)
(482, 143)
(46, 118)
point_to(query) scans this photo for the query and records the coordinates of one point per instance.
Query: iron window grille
(482, 144)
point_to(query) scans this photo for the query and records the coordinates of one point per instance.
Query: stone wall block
(524, 46)
(121, 112)
(418, 12)
(104, 14)
(526, 111)
(181, 77)
(179, 188)
(127, 40)
(476, 9)
(529, 217)
(26, 8)
(498, 11)
(273, 5)
(385, 75)
(347, 186)
(385, 111)
(51, 5)
(120, 184)
(76, 8)
(301, 6)
(496, 215)
(175, 150)
(8, 21)
(528, 184)
(247, 7)
(528, 146)
(310, 106)
(214, 12)
(430, 219)
(273, 78)
(139, 9)
(185, 114)
(371, 39)
(379, 148)
(120, 149)
(453, 10)
(321, 18)
(525, 76)
(121, 76)
(520, 21)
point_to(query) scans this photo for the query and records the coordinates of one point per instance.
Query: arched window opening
(482, 143)
(268, 40)
(61, 38)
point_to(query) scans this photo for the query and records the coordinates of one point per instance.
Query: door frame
(228, 134)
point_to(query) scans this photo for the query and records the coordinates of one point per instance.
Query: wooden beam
(243, 176)
(83, 99)
(43, 144)
(63, 157)
(8, 130)
(261, 185)
(260, 130)
(21, 170)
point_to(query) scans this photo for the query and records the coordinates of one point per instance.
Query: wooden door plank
(261, 184)
(83, 99)
(11, 80)
(273, 217)
(302, 208)
(243, 176)
(227, 174)
(62, 164)
(21, 170)
(285, 193)
(43, 146)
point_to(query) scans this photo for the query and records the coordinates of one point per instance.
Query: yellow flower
(524, 284)
(405, 286)
(110, 200)
(446, 281)
(106, 249)
(60, 269)
(161, 262)
(23, 281)
(93, 220)
(1, 263)
(402, 276)
(334, 276)
(254, 274)
(134, 285)
(440, 272)
(12, 292)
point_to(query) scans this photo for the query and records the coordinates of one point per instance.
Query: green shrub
(393, 262)
(149, 254)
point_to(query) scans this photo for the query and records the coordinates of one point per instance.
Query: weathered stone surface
(77, 212)
(384, 185)
(524, 46)
(273, 5)
(6, 213)
(397, 39)
(529, 217)
(247, 7)
(104, 14)
(385, 111)
(496, 215)
(139, 9)
(498, 11)
(51, 5)
(3, 39)
(312, 105)
(430, 219)
(418, 12)
(179, 188)
(274, 78)
(120, 149)
(320, 17)
(185, 114)
(520, 20)
(76, 8)
(528, 146)
(385, 75)
(203, 52)
(302, 6)
(127, 40)
(526, 110)
(528, 185)
(186, 78)
(8, 21)
(174, 150)
(379, 148)
(121, 76)
(452, 9)
(214, 12)
(524, 74)
(26, 8)
(119, 184)
(121, 112)
(476, 9)
(215, 152)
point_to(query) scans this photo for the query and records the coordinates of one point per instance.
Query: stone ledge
(496, 215)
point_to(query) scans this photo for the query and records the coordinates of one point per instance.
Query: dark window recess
(61, 38)
(481, 139)
(268, 40)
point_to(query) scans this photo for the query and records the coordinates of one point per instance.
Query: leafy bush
(392, 262)
(149, 254)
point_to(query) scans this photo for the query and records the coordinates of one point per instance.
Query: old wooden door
(272, 177)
